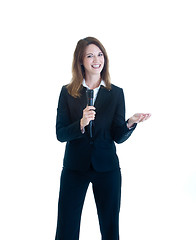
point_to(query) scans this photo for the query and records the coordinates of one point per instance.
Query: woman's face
(93, 60)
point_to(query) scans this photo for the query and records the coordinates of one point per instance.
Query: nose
(95, 58)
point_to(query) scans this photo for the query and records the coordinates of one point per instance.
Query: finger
(88, 111)
(92, 117)
(146, 116)
(89, 114)
(88, 108)
(141, 117)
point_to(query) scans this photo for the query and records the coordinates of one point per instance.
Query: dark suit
(92, 160)
(109, 126)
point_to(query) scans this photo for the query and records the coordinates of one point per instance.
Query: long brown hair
(78, 71)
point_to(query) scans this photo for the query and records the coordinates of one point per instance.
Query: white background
(152, 52)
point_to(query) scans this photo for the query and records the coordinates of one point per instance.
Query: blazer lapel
(78, 104)
(83, 100)
(102, 98)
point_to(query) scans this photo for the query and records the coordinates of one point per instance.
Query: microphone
(89, 96)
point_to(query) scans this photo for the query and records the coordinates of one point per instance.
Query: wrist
(130, 123)
(82, 126)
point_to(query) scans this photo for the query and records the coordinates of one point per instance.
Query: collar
(101, 83)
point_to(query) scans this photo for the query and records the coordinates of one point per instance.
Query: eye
(100, 54)
(89, 56)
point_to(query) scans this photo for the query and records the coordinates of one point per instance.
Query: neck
(93, 81)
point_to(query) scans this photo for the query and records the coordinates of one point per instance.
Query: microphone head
(89, 93)
(89, 96)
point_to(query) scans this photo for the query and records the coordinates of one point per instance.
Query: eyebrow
(92, 53)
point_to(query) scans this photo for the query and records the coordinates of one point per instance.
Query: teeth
(96, 66)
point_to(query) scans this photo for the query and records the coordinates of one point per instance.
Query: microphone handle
(91, 122)
(89, 94)
(91, 128)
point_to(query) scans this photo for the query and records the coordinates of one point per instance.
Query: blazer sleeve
(65, 129)
(120, 131)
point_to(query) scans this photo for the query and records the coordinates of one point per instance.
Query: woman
(90, 154)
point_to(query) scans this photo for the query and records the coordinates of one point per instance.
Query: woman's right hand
(88, 115)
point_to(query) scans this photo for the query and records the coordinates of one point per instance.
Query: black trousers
(107, 193)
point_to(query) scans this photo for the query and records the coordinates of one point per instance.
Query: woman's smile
(93, 60)
(96, 66)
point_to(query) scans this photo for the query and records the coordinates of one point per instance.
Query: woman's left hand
(137, 118)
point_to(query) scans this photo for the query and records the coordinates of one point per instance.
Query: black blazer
(109, 126)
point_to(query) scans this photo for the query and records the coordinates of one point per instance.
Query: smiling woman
(93, 63)
(86, 49)
(91, 133)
